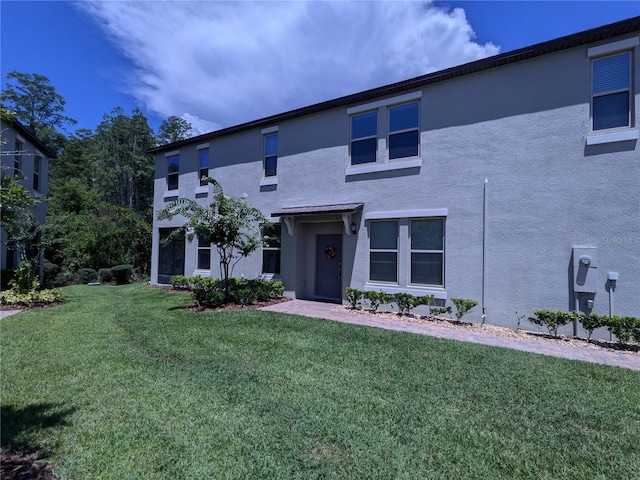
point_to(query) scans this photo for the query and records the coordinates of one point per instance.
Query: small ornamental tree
(229, 223)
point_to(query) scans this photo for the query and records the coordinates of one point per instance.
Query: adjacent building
(24, 156)
(512, 180)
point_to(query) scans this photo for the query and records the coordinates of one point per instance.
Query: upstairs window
(427, 251)
(383, 251)
(271, 235)
(17, 158)
(271, 155)
(611, 107)
(173, 172)
(204, 255)
(37, 161)
(403, 130)
(364, 138)
(203, 156)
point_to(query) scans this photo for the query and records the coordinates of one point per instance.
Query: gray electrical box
(585, 269)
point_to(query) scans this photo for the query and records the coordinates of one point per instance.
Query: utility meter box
(585, 269)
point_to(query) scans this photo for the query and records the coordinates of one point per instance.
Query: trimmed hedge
(122, 274)
(105, 275)
(210, 292)
(87, 275)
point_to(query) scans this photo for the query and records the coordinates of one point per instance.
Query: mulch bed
(234, 306)
(23, 465)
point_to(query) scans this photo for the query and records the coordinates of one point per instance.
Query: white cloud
(229, 62)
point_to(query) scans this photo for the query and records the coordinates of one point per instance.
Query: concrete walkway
(330, 312)
(6, 313)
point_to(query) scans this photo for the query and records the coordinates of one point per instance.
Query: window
(364, 138)
(204, 255)
(403, 130)
(427, 251)
(173, 172)
(383, 243)
(203, 156)
(271, 155)
(17, 159)
(271, 234)
(611, 81)
(37, 161)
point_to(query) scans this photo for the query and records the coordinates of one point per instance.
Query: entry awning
(346, 210)
(318, 210)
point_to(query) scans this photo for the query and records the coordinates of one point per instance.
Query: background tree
(173, 129)
(229, 223)
(37, 106)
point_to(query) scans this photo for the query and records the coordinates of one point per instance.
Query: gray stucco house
(513, 180)
(24, 156)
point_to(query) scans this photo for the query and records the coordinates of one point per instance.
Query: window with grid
(173, 172)
(364, 138)
(204, 255)
(203, 156)
(383, 251)
(271, 235)
(403, 130)
(37, 161)
(427, 251)
(271, 155)
(17, 158)
(611, 91)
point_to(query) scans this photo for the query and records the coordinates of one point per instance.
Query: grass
(121, 382)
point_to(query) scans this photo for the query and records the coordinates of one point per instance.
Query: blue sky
(218, 64)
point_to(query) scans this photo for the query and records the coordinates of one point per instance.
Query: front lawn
(121, 382)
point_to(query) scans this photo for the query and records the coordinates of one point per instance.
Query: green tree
(173, 129)
(123, 169)
(14, 199)
(38, 106)
(229, 223)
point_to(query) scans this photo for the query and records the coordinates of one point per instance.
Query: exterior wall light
(354, 227)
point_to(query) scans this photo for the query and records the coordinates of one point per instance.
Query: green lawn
(121, 382)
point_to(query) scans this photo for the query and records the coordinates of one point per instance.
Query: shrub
(266, 290)
(377, 298)
(624, 328)
(24, 280)
(405, 302)
(63, 278)
(590, 322)
(244, 296)
(105, 275)
(550, 319)
(87, 275)
(463, 306)
(51, 271)
(30, 298)
(180, 282)
(207, 292)
(353, 296)
(122, 274)
(440, 310)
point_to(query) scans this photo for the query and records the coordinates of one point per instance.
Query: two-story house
(24, 156)
(512, 180)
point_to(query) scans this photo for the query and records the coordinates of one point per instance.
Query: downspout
(484, 251)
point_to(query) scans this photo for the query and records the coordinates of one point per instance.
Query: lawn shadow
(20, 425)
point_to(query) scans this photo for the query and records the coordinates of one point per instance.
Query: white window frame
(37, 168)
(386, 250)
(168, 157)
(623, 133)
(266, 248)
(353, 140)
(17, 156)
(200, 248)
(412, 251)
(406, 130)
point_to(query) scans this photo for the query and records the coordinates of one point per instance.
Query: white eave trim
(432, 212)
(611, 137)
(613, 47)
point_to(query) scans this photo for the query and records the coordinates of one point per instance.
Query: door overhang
(345, 210)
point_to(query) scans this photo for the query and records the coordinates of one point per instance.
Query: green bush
(63, 278)
(105, 275)
(87, 275)
(266, 290)
(244, 296)
(31, 298)
(122, 274)
(207, 292)
(463, 306)
(353, 296)
(550, 319)
(24, 279)
(405, 302)
(440, 310)
(180, 282)
(591, 322)
(624, 328)
(51, 271)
